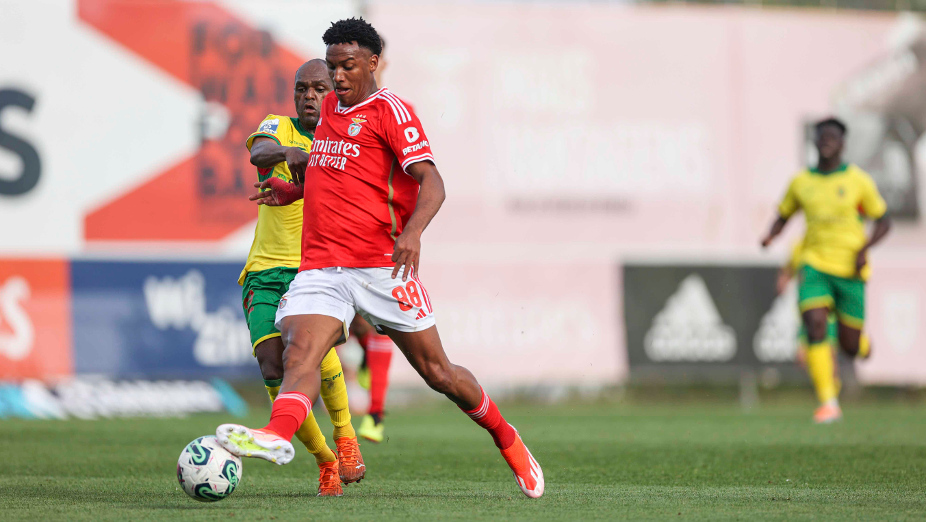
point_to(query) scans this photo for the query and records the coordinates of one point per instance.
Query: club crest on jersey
(354, 128)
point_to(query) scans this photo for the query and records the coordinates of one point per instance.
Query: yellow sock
(822, 370)
(309, 433)
(273, 388)
(334, 393)
(864, 346)
(313, 438)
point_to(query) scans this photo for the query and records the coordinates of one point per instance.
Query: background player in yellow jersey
(836, 199)
(280, 149)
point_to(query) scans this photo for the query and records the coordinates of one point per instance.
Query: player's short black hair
(354, 30)
(835, 122)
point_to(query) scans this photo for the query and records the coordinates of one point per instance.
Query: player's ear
(374, 62)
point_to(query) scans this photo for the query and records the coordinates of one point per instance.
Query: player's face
(351, 69)
(829, 142)
(312, 85)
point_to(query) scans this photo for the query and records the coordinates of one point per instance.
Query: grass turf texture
(610, 462)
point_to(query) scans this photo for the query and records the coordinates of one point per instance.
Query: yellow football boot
(370, 429)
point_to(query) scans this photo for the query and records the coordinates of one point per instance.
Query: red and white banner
(35, 319)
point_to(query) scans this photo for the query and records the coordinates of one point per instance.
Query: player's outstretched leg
(334, 392)
(426, 354)
(269, 354)
(307, 338)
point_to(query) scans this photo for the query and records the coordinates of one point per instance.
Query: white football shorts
(371, 292)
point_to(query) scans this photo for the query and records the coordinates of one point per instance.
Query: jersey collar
(340, 109)
(298, 125)
(841, 168)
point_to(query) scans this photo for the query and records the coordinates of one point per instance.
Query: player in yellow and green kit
(826, 387)
(280, 148)
(836, 199)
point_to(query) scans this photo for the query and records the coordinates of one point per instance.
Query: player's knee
(439, 378)
(849, 343)
(269, 355)
(271, 370)
(300, 349)
(816, 329)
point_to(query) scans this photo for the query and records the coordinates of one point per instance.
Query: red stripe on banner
(202, 197)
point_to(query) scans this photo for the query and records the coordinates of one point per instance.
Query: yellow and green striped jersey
(278, 234)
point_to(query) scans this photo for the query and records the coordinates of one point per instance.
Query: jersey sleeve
(789, 204)
(404, 134)
(273, 127)
(872, 203)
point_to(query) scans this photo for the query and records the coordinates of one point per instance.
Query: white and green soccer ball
(207, 471)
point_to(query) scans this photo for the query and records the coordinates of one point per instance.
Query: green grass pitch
(682, 462)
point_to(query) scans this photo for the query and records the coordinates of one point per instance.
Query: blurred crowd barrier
(609, 171)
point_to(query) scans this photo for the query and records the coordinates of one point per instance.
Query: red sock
(488, 416)
(289, 412)
(379, 357)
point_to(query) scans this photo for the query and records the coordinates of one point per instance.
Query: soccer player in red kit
(371, 188)
(377, 348)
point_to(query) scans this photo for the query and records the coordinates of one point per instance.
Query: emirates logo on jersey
(334, 154)
(355, 128)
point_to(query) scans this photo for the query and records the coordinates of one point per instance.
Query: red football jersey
(358, 196)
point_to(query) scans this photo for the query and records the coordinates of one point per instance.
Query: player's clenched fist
(297, 160)
(407, 251)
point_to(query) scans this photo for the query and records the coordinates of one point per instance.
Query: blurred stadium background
(610, 167)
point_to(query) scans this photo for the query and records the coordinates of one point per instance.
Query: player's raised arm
(430, 197)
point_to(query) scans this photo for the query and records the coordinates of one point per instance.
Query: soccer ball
(207, 471)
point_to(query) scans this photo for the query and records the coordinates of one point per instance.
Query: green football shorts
(261, 295)
(845, 296)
